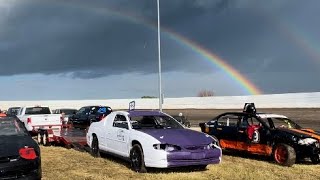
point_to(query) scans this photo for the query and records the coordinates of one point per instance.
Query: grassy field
(60, 163)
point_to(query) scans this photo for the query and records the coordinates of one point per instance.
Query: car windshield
(142, 122)
(83, 110)
(13, 111)
(68, 111)
(278, 122)
(9, 127)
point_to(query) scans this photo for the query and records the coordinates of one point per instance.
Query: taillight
(27, 153)
(101, 117)
(28, 120)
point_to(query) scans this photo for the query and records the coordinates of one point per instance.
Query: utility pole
(159, 58)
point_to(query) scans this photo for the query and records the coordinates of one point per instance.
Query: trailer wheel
(284, 155)
(95, 152)
(40, 138)
(46, 139)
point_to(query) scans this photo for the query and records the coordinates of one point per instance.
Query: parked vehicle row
(156, 139)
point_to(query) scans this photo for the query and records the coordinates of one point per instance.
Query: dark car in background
(66, 113)
(88, 114)
(19, 153)
(13, 111)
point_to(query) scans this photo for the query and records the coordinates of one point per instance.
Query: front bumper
(306, 151)
(189, 158)
(21, 169)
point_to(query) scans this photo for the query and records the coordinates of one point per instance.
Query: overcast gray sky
(79, 49)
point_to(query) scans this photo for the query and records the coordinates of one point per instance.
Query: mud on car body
(265, 134)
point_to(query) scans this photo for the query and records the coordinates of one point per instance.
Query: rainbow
(300, 39)
(214, 59)
(294, 34)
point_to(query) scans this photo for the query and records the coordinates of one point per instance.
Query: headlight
(307, 141)
(212, 145)
(209, 146)
(166, 147)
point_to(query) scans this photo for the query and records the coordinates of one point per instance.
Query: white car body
(119, 141)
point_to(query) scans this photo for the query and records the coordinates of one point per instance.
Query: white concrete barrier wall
(290, 100)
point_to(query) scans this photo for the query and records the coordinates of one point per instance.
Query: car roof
(145, 113)
(94, 106)
(14, 107)
(260, 115)
(266, 115)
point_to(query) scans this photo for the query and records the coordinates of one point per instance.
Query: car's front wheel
(284, 155)
(137, 159)
(95, 152)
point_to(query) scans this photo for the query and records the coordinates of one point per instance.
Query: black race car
(265, 134)
(19, 153)
(88, 114)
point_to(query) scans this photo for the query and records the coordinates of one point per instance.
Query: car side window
(229, 120)
(246, 121)
(120, 121)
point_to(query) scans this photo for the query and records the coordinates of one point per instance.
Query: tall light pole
(159, 58)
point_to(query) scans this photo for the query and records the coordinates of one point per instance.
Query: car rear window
(9, 127)
(103, 110)
(38, 110)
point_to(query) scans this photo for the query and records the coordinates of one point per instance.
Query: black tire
(284, 155)
(201, 167)
(315, 159)
(95, 152)
(40, 139)
(45, 139)
(137, 159)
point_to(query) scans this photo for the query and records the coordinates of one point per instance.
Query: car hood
(181, 137)
(10, 145)
(303, 133)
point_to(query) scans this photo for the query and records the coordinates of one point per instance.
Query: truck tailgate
(45, 119)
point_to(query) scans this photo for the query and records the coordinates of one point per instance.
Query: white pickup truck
(39, 117)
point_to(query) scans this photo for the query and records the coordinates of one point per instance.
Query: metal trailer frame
(64, 136)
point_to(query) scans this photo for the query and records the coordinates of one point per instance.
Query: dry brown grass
(60, 163)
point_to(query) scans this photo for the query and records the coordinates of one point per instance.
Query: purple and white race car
(152, 139)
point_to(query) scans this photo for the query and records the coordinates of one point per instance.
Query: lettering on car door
(121, 127)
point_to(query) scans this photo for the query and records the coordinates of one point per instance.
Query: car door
(253, 135)
(226, 130)
(120, 135)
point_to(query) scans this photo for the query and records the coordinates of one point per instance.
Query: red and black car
(19, 153)
(264, 134)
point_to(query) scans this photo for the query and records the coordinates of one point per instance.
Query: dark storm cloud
(58, 37)
(53, 37)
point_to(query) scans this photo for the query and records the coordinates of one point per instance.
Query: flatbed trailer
(65, 136)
